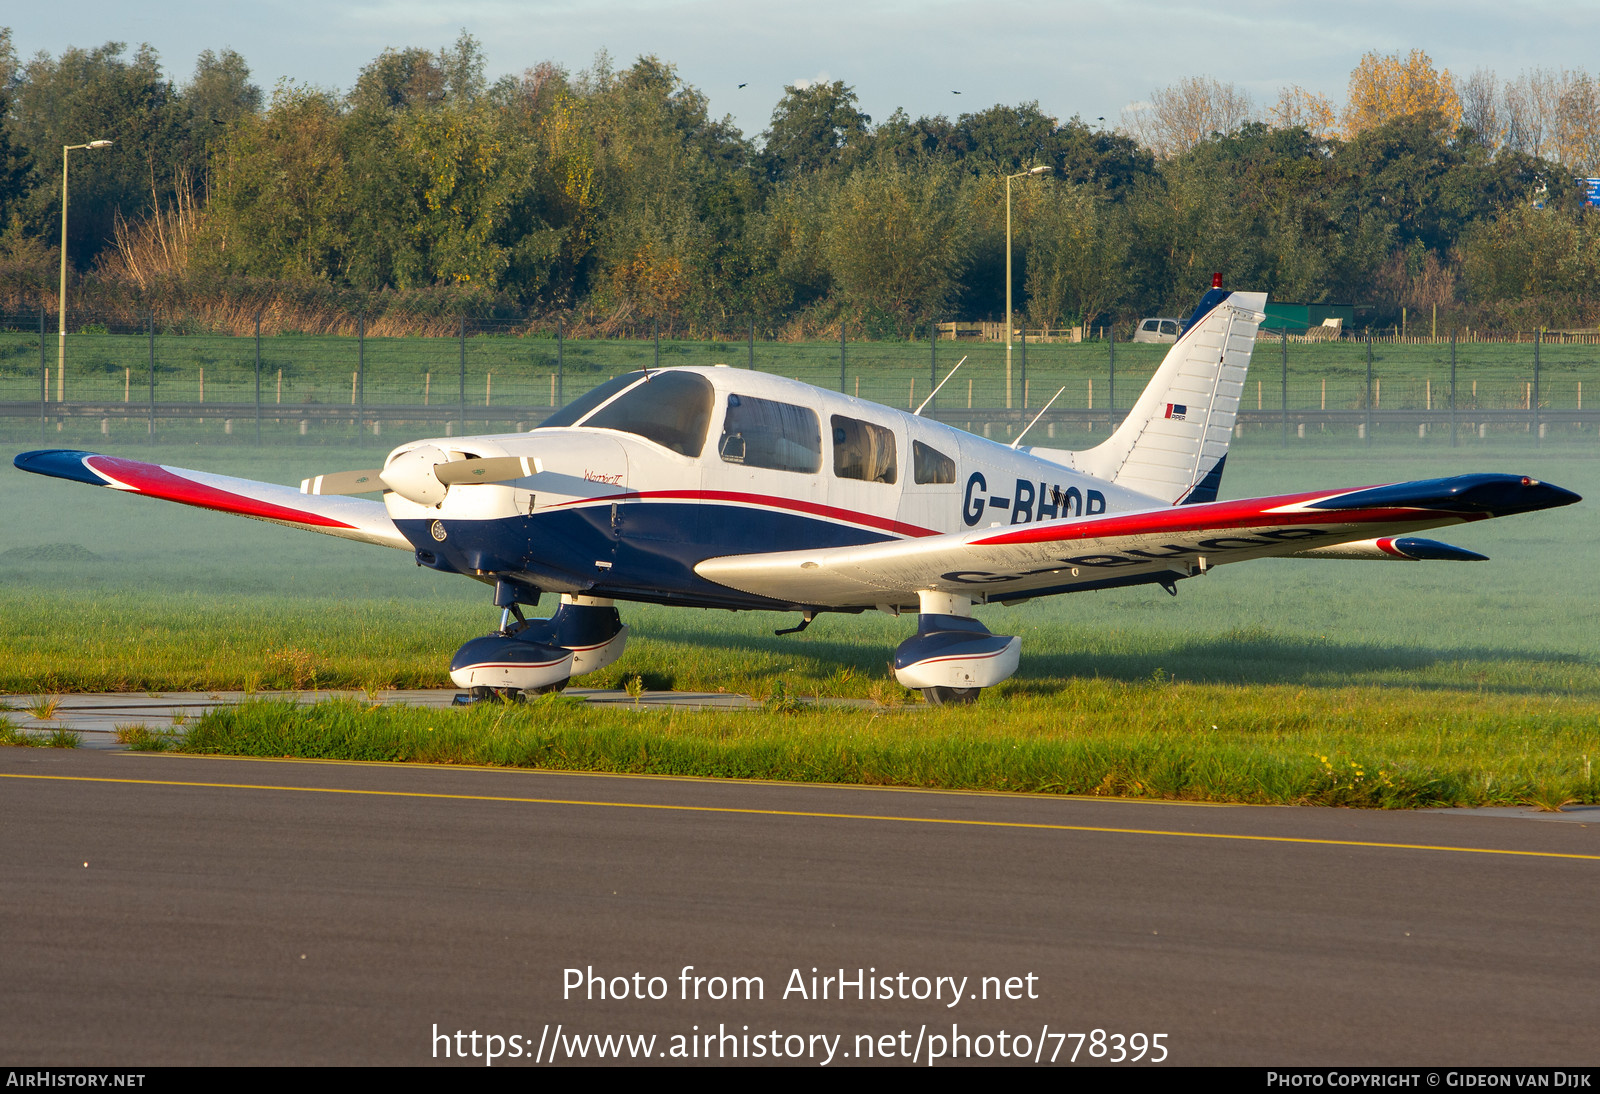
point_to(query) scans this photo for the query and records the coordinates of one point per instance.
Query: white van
(1158, 330)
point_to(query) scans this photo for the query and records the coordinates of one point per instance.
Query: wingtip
(58, 463)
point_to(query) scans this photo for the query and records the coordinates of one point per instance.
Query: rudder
(1173, 443)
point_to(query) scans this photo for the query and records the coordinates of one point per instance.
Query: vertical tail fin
(1173, 442)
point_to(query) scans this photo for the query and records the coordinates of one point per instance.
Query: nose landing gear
(538, 656)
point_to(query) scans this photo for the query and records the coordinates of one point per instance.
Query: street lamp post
(61, 348)
(1018, 175)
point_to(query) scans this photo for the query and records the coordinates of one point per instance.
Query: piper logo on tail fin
(1176, 411)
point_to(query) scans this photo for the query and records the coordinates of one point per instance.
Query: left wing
(1124, 548)
(347, 518)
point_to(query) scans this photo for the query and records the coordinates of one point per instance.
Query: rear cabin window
(763, 433)
(929, 465)
(862, 450)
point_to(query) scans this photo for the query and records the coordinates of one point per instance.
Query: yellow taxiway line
(732, 810)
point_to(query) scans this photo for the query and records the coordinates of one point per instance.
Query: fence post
(655, 330)
(361, 361)
(750, 361)
(933, 356)
(1111, 346)
(258, 378)
(150, 322)
(1452, 387)
(44, 379)
(841, 355)
(1369, 387)
(1535, 399)
(1283, 352)
(561, 371)
(462, 391)
(1023, 378)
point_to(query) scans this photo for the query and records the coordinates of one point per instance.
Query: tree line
(612, 198)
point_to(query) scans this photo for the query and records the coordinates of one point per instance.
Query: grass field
(1483, 679)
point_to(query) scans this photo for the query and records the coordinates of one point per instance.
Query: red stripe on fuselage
(827, 512)
(155, 481)
(1210, 515)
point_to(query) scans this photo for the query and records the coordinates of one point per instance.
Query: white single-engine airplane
(722, 488)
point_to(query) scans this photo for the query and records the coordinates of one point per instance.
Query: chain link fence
(124, 381)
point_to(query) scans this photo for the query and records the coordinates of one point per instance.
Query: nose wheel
(505, 695)
(950, 697)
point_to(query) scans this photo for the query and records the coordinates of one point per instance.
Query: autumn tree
(1385, 86)
(1298, 108)
(1480, 108)
(1181, 116)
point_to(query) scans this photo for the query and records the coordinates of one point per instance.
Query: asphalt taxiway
(170, 909)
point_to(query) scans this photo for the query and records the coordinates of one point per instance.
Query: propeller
(343, 482)
(423, 475)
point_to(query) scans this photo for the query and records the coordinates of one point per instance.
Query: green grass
(1157, 739)
(49, 737)
(140, 738)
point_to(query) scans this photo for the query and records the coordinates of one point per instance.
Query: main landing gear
(953, 657)
(538, 656)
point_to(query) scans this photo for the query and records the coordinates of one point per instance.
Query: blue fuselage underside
(652, 547)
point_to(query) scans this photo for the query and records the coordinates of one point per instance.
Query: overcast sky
(1090, 59)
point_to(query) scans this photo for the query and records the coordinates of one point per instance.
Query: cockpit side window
(763, 433)
(862, 450)
(671, 408)
(929, 465)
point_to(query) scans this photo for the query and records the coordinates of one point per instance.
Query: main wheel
(550, 689)
(949, 697)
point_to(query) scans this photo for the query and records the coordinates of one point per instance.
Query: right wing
(1057, 556)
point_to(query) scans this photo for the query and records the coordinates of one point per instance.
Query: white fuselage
(722, 497)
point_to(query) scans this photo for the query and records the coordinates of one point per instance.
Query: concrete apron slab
(96, 718)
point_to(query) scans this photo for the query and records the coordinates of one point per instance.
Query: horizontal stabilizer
(1403, 548)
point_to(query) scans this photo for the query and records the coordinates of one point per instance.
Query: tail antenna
(1036, 418)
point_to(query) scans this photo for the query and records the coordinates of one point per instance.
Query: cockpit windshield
(585, 403)
(671, 408)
